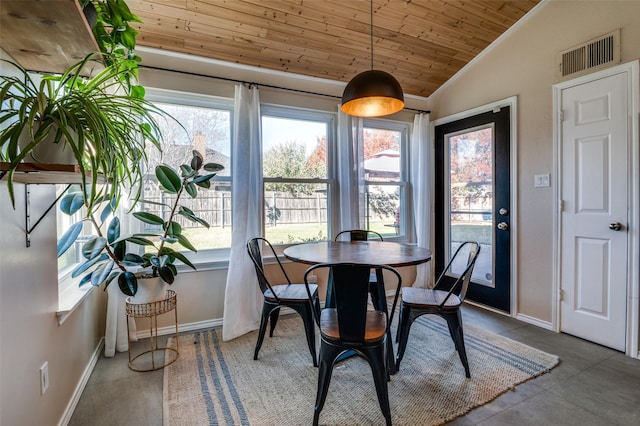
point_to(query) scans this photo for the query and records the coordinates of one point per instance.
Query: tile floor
(592, 385)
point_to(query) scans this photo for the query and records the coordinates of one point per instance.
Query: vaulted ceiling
(422, 43)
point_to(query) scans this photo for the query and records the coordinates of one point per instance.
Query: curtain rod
(233, 80)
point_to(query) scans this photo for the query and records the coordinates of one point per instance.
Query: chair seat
(291, 292)
(376, 325)
(429, 297)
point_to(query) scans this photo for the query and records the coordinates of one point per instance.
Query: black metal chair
(358, 235)
(289, 295)
(363, 235)
(350, 327)
(444, 300)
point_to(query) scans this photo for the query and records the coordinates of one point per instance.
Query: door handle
(503, 226)
(615, 226)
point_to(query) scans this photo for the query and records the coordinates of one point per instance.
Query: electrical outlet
(541, 181)
(44, 378)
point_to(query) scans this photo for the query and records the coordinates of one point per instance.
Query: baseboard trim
(84, 379)
(534, 321)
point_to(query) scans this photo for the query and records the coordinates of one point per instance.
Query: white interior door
(594, 219)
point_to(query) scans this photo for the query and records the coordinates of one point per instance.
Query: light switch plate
(541, 181)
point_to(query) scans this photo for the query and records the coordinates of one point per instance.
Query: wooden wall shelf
(44, 173)
(47, 36)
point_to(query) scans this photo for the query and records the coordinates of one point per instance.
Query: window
(296, 148)
(383, 146)
(207, 121)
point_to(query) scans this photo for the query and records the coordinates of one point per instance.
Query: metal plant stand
(151, 310)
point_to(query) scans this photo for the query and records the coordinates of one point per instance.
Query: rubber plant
(106, 255)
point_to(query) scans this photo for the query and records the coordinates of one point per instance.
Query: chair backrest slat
(358, 235)
(255, 253)
(351, 290)
(461, 284)
(350, 287)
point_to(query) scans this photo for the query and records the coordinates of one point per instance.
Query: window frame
(404, 128)
(214, 258)
(302, 114)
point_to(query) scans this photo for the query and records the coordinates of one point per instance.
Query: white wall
(29, 330)
(524, 64)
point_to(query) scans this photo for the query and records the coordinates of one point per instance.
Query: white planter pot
(47, 151)
(149, 290)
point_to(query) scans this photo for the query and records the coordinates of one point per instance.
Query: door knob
(503, 226)
(616, 226)
(503, 211)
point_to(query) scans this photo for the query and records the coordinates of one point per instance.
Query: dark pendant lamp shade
(372, 93)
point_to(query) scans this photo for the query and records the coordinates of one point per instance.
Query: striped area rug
(219, 383)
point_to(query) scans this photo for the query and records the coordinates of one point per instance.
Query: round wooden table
(372, 252)
(368, 252)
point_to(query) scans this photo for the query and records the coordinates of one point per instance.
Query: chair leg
(377, 362)
(328, 356)
(402, 335)
(399, 323)
(306, 313)
(274, 320)
(262, 330)
(454, 322)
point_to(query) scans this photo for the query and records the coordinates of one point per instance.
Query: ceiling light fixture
(372, 93)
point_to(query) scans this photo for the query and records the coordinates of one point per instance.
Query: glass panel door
(470, 194)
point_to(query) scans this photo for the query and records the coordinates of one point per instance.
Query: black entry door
(472, 190)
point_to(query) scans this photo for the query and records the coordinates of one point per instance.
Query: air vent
(590, 56)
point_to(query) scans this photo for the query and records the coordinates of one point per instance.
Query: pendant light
(372, 93)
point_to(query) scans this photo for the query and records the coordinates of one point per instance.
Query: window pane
(471, 196)
(382, 171)
(294, 148)
(383, 209)
(381, 155)
(296, 213)
(294, 158)
(208, 130)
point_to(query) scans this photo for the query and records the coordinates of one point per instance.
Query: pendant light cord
(371, 29)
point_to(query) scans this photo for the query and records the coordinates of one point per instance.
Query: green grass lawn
(203, 238)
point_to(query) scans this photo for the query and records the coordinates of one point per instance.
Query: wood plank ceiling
(422, 43)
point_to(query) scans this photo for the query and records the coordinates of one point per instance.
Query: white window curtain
(348, 176)
(115, 337)
(420, 177)
(243, 301)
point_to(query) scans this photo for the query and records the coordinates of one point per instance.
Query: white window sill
(70, 298)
